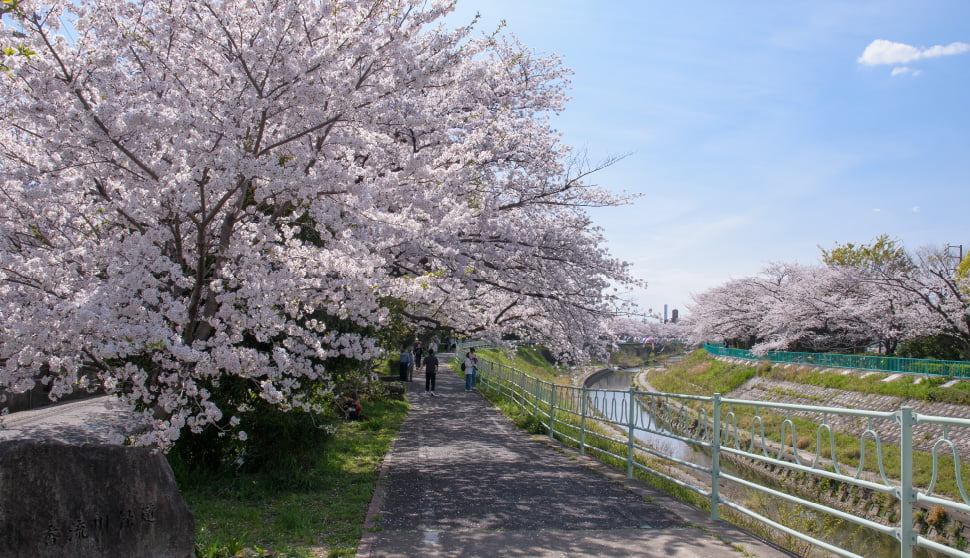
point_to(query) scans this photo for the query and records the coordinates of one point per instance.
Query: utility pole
(954, 254)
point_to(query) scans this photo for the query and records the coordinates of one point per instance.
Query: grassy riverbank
(700, 374)
(534, 361)
(315, 510)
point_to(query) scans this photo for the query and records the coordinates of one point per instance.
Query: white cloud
(915, 209)
(950, 49)
(882, 51)
(905, 70)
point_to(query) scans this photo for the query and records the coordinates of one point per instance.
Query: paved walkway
(84, 421)
(460, 480)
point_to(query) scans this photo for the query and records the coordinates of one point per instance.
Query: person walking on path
(471, 368)
(404, 364)
(417, 354)
(430, 372)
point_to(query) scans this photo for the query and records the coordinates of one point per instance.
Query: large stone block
(90, 501)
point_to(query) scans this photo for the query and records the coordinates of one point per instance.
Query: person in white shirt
(471, 370)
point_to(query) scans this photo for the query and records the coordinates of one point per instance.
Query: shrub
(933, 346)
(936, 516)
(277, 440)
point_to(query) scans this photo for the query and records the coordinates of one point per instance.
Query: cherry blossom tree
(790, 307)
(626, 328)
(732, 313)
(820, 310)
(938, 295)
(198, 192)
(886, 312)
(865, 295)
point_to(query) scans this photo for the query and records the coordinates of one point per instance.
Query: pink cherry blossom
(197, 190)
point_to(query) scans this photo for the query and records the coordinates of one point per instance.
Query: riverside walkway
(461, 480)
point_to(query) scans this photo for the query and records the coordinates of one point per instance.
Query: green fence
(954, 368)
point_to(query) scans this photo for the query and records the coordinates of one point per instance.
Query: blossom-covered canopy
(200, 189)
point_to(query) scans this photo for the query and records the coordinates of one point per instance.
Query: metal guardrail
(953, 368)
(856, 450)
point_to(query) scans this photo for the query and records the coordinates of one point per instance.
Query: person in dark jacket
(417, 352)
(404, 362)
(430, 372)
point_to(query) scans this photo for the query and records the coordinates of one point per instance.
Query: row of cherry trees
(202, 193)
(626, 329)
(861, 297)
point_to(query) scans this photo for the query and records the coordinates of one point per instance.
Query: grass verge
(310, 511)
(531, 360)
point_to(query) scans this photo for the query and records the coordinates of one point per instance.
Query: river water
(619, 381)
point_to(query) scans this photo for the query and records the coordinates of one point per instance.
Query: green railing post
(631, 437)
(512, 383)
(552, 411)
(537, 396)
(716, 457)
(582, 421)
(906, 494)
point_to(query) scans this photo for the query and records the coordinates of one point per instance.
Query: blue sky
(759, 131)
